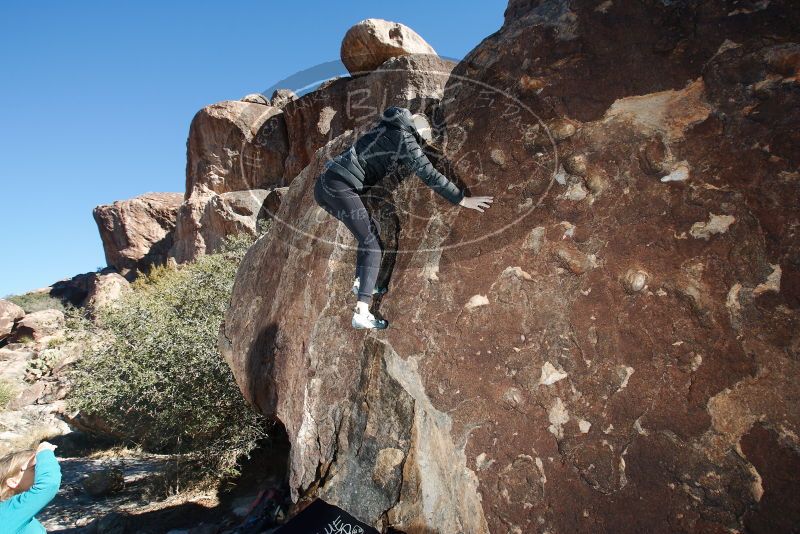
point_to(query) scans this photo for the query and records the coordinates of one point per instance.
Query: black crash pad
(320, 517)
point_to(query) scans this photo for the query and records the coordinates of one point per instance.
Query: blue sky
(97, 98)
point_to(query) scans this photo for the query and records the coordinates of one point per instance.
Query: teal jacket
(17, 513)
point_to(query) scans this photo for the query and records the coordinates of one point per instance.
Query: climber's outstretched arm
(415, 159)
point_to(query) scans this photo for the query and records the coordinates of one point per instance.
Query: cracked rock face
(578, 398)
(235, 154)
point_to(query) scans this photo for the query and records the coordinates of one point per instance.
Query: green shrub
(55, 342)
(25, 339)
(158, 378)
(152, 275)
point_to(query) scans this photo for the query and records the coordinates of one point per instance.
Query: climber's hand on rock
(476, 203)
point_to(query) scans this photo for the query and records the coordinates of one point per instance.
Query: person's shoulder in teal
(30, 480)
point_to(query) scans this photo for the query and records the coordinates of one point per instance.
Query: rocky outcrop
(235, 146)
(137, 233)
(34, 406)
(9, 314)
(603, 350)
(74, 290)
(207, 218)
(235, 155)
(35, 372)
(273, 144)
(370, 42)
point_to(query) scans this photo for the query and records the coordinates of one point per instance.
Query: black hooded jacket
(393, 141)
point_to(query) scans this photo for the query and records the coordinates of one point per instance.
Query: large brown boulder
(137, 233)
(370, 42)
(272, 145)
(235, 155)
(613, 346)
(9, 314)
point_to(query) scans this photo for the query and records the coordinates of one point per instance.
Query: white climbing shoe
(365, 319)
(375, 290)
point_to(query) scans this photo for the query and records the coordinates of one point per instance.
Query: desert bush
(158, 377)
(152, 275)
(25, 339)
(54, 343)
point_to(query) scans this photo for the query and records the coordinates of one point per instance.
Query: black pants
(341, 200)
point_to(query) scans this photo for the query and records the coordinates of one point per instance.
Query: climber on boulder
(395, 140)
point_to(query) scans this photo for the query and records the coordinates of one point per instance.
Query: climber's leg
(325, 187)
(369, 252)
(340, 199)
(368, 255)
(360, 257)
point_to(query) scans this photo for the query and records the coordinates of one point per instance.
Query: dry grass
(7, 392)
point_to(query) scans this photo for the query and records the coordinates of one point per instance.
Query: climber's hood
(399, 117)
